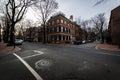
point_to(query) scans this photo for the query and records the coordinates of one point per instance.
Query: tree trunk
(44, 35)
(12, 36)
(102, 38)
(7, 33)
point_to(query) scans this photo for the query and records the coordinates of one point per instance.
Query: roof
(116, 9)
(61, 15)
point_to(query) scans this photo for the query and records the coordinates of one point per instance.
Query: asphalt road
(53, 62)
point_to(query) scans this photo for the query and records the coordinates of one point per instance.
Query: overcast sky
(85, 8)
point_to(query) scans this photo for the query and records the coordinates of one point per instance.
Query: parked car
(18, 41)
(77, 42)
(84, 41)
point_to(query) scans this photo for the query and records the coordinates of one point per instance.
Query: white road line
(32, 56)
(36, 51)
(36, 75)
(109, 54)
(40, 52)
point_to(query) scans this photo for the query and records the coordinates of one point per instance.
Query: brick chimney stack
(71, 17)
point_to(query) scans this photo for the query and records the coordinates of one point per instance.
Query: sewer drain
(43, 63)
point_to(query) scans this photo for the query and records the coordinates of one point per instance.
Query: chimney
(71, 17)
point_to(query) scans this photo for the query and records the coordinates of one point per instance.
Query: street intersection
(54, 62)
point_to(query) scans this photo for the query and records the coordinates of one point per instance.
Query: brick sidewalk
(8, 49)
(108, 47)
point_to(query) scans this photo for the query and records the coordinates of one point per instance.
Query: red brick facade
(62, 30)
(114, 25)
(59, 30)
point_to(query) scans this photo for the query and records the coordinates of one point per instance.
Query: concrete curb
(9, 49)
(106, 48)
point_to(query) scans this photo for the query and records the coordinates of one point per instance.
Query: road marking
(36, 51)
(36, 75)
(40, 52)
(32, 56)
(108, 54)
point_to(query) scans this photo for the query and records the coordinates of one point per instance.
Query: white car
(18, 41)
(84, 41)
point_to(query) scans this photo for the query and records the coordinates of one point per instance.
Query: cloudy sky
(86, 8)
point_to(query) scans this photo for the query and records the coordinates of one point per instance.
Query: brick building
(114, 25)
(33, 34)
(62, 30)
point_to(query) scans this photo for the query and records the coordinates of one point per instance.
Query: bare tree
(84, 24)
(99, 22)
(15, 10)
(45, 8)
(29, 27)
(5, 22)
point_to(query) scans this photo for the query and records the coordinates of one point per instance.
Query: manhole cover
(43, 63)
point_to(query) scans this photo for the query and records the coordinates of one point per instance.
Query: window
(69, 31)
(69, 37)
(58, 21)
(57, 29)
(61, 29)
(73, 26)
(57, 38)
(61, 21)
(65, 29)
(68, 24)
(53, 22)
(65, 22)
(61, 37)
(66, 37)
(52, 37)
(53, 29)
